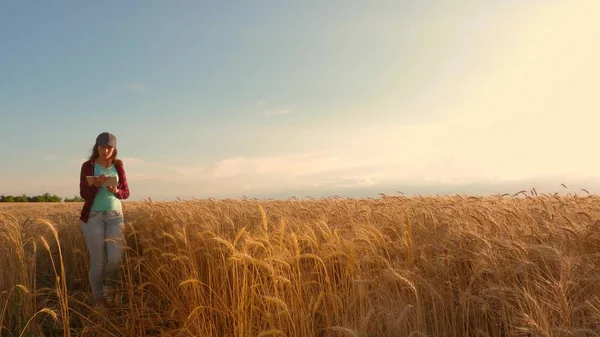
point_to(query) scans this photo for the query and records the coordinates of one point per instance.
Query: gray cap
(106, 139)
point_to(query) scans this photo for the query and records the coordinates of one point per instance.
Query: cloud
(132, 161)
(228, 167)
(328, 173)
(416, 159)
(367, 180)
(325, 169)
(50, 157)
(434, 156)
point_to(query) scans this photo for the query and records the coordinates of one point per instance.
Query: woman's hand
(113, 189)
(98, 181)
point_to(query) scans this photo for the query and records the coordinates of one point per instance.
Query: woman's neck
(104, 162)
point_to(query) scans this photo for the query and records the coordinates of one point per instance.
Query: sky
(275, 99)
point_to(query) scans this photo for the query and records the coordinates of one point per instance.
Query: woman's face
(105, 152)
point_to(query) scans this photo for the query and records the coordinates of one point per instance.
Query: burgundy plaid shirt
(88, 192)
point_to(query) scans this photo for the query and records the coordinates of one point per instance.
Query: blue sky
(276, 99)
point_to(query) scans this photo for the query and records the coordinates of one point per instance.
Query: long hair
(95, 155)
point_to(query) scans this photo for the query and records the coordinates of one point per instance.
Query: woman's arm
(122, 188)
(86, 191)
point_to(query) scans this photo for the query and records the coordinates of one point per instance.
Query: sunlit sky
(274, 99)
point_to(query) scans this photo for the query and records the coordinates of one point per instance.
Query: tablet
(110, 181)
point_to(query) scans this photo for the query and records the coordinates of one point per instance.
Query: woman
(102, 215)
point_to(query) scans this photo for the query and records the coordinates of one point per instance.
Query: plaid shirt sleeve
(86, 191)
(123, 187)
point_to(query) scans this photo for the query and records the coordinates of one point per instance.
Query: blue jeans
(104, 235)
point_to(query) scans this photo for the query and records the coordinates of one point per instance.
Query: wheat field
(523, 265)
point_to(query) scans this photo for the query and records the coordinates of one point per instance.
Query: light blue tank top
(106, 200)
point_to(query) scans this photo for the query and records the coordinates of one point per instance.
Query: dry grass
(395, 266)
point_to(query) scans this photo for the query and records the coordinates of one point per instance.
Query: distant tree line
(46, 197)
